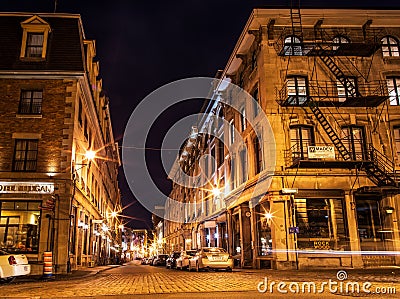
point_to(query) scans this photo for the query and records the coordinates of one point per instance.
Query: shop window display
(19, 226)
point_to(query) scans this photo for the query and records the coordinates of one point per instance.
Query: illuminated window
(390, 46)
(297, 90)
(338, 41)
(31, 102)
(19, 226)
(34, 38)
(25, 155)
(350, 91)
(300, 138)
(393, 84)
(292, 46)
(320, 219)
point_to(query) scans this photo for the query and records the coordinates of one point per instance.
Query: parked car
(143, 261)
(182, 262)
(171, 260)
(211, 258)
(160, 259)
(12, 265)
(150, 260)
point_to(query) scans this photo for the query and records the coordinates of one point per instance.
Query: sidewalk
(75, 274)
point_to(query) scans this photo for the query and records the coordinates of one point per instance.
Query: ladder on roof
(295, 16)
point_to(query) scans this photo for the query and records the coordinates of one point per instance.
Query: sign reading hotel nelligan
(26, 187)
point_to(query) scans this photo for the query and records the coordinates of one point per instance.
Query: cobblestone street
(135, 279)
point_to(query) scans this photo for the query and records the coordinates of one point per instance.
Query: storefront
(27, 219)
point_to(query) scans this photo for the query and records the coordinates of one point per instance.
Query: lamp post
(89, 155)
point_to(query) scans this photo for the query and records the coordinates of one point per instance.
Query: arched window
(390, 46)
(338, 41)
(292, 46)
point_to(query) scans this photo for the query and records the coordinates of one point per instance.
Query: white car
(182, 262)
(12, 265)
(211, 258)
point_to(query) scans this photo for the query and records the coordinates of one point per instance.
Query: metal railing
(328, 91)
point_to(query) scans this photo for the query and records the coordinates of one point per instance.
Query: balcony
(326, 47)
(328, 94)
(321, 156)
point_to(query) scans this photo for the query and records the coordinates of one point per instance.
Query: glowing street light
(90, 155)
(216, 192)
(268, 216)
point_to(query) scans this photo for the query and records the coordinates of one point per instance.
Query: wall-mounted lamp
(388, 210)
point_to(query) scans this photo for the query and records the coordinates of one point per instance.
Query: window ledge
(28, 115)
(32, 59)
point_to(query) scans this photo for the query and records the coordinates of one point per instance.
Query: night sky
(142, 45)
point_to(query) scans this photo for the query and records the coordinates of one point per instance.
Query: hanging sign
(321, 152)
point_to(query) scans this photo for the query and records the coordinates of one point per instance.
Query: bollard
(48, 264)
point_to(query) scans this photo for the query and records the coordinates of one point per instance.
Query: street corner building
(317, 185)
(58, 159)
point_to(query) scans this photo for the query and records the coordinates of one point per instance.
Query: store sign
(321, 152)
(26, 187)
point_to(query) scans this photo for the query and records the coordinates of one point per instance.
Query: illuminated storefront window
(20, 226)
(264, 221)
(321, 223)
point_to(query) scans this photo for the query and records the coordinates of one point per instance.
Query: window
(264, 222)
(321, 219)
(338, 41)
(396, 133)
(300, 138)
(350, 91)
(256, 101)
(231, 132)
(393, 84)
(232, 173)
(25, 155)
(220, 151)
(19, 226)
(258, 155)
(34, 45)
(34, 38)
(80, 113)
(243, 123)
(30, 102)
(354, 141)
(297, 90)
(243, 164)
(292, 46)
(390, 46)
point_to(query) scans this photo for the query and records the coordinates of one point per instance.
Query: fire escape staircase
(378, 168)
(329, 130)
(351, 89)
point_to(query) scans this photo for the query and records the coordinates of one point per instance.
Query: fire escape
(377, 166)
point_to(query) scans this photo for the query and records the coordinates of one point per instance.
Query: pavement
(75, 274)
(384, 274)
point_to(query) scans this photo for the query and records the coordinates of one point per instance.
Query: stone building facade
(317, 185)
(54, 196)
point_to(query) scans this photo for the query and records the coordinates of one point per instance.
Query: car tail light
(11, 260)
